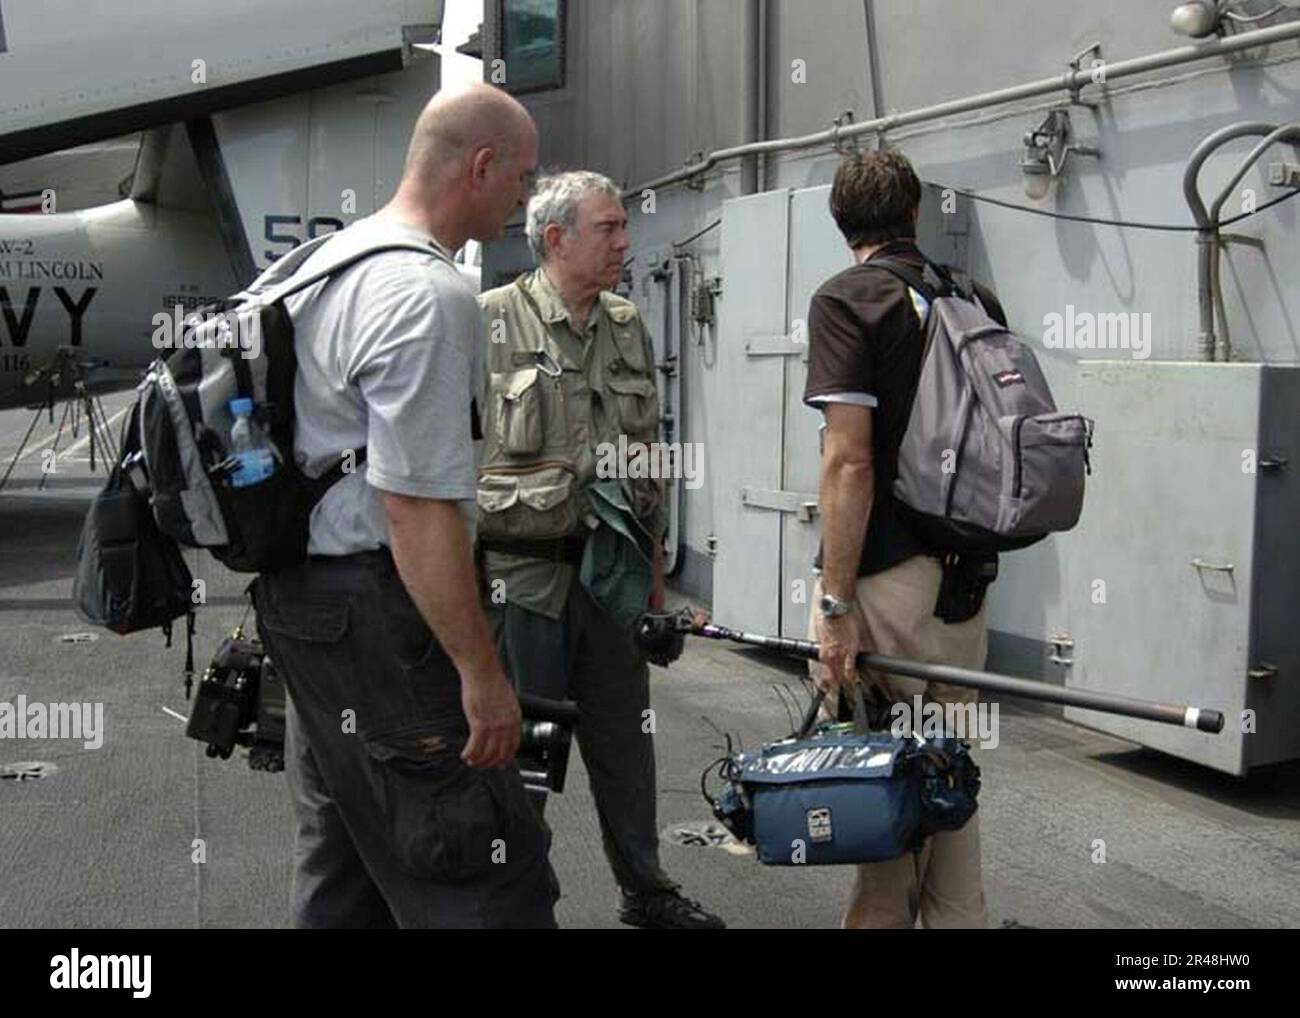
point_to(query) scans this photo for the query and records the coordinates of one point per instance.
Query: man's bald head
(456, 124)
(469, 166)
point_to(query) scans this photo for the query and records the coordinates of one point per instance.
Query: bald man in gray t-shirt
(401, 726)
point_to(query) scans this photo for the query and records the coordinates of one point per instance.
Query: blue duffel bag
(843, 793)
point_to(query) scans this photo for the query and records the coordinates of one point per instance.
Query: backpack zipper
(1015, 442)
(1015, 445)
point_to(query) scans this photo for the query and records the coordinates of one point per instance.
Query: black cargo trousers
(393, 829)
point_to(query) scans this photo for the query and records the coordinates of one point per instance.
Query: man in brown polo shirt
(879, 584)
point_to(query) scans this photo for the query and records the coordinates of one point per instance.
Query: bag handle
(861, 717)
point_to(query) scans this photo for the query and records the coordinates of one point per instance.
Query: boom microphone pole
(654, 625)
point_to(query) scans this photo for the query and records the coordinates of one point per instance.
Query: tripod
(82, 406)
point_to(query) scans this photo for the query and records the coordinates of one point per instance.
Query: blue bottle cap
(241, 407)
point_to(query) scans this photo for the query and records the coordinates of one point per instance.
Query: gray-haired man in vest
(571, 371)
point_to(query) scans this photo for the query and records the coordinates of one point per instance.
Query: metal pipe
(873, 60)
(1283, 133)
(1200, 718)
(670, 408)
(680, 293)
(1207, 221)
(1207, 236)
(1070, 81)
(1223, 341)
(1248, 19)
(750, 94)
(766, 33)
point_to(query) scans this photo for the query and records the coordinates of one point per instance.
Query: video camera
(543, 756)
(240, 701)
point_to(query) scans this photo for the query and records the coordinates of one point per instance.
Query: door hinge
(1061, 645)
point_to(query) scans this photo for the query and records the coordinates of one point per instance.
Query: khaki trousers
(941, 884)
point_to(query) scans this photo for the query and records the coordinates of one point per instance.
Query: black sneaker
(667, 910)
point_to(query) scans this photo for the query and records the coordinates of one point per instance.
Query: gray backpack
(986, 464)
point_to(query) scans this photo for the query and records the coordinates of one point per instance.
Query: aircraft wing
(72, 72)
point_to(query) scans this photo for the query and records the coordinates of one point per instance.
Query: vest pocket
(533, 505)
(637, 403)
(520, 424)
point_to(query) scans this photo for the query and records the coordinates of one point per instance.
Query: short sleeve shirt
(865, 343)
(390, 359)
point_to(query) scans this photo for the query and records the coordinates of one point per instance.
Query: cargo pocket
(536, 505)
(521, 424)
(1049, 461)
(447, 821)
(637, 406)
(311, 623)
(305, 639)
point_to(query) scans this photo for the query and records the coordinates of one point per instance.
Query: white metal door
(744, 393)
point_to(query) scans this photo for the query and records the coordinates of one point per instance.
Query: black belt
(560, 549)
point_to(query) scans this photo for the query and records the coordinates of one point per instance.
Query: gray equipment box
(1183, 576)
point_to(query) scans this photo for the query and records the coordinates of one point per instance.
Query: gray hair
(556, 201)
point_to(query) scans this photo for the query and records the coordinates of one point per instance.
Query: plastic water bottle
(249, 446)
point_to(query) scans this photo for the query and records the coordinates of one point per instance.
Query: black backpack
(243, 348)
(168, 489)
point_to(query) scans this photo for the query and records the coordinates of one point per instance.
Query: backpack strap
(908, 275)
(282, 268)
(287, 281)
(963, 284)
(931, 282)
(318, 486)
(297, 282)
(283, 359)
